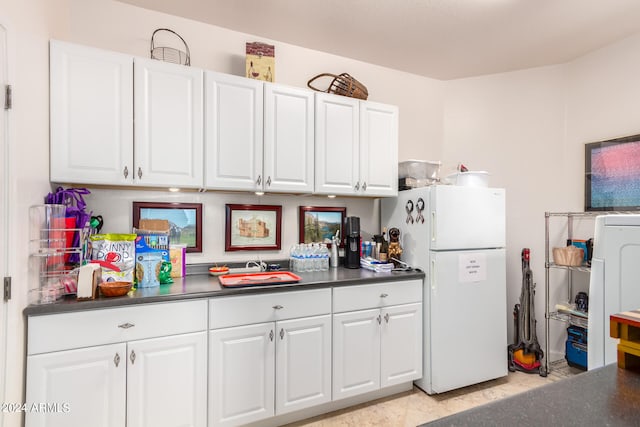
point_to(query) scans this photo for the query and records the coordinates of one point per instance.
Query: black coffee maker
(352, 242)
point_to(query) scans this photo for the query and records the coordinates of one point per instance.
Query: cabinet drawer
(64, 331)
(360, 297)
(244, 310)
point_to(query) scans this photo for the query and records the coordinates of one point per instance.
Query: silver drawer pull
(278, 307)
(386, 317)
(282, 333)
(126, 325)
(384, 295)
(116, 359)
(132, 357)
(379, 319)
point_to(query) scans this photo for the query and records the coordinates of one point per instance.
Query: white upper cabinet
(93, 97)
(233, 132)
(169, 129)
(378, 149)
(337, 145)
(91, 113)
(356, 147)
(288, 139)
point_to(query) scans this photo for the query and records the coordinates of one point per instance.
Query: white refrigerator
(614, 285)
(456, 235)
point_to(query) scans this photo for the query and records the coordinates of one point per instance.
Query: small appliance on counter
(352, 242)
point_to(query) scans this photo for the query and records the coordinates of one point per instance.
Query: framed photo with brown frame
(252, 227)
(185, 221)
(319, 223)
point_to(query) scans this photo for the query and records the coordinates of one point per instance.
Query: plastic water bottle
(325, 257)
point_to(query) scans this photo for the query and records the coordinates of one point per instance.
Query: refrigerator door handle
(433, 226)
(432, 275)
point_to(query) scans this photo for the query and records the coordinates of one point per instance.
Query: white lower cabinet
(135, 381)
(86, 386)
(376, 347)
(271, 368)
(167, 381)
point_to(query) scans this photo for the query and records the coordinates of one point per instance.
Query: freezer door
(467, 318)
(466, 217)
(613, 286)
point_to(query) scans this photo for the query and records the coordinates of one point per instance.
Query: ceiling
(442, 39)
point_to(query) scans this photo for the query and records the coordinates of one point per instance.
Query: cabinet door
(91, 115)
(288, 139)
(87, 387)
(401, 344)
(303, 363)
(337, 145)
(356, 352)
(166, 381)
(378, 149)
(242, 374)
(233, 132)
(169, 128)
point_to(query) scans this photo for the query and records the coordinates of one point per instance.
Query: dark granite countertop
(199, 284)
(608, 396)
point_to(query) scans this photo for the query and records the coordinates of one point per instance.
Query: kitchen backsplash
(115, 206)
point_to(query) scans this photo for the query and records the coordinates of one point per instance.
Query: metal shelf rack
(550, 314)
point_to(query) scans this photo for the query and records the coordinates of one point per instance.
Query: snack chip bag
(115, 250)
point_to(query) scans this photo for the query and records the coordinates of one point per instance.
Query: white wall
(528, 129)
(512, 125)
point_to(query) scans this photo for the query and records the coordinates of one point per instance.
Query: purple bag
(73, 199)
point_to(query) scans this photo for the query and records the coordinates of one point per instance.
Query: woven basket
(343, 84)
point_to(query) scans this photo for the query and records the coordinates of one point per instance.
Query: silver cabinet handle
(386, 317)
(282, 333)
(116, 359)
(278, 307)
(269, 181)
(139, 172)
(126, 325)
(271, 335)
(259, 180)
(132, 357)
(357, 187)
(364, 186)
(125, 172)
(384, 295)
(379, 319)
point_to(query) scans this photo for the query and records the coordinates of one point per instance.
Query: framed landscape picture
(252, 227)
(319, 223)
(185, 221)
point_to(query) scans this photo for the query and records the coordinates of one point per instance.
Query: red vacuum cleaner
(525, 353)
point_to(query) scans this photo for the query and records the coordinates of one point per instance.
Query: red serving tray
(258, 279)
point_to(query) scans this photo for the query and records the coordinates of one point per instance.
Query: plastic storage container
(419, 169)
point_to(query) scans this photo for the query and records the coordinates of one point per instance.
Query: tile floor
(415, 407)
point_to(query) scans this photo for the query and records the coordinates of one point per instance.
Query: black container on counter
(352, 242)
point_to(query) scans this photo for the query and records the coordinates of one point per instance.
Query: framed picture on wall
(252, 227)
(612, 175)
(319, 223)
(185, 221)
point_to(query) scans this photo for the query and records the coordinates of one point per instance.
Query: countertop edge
(199, 286)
